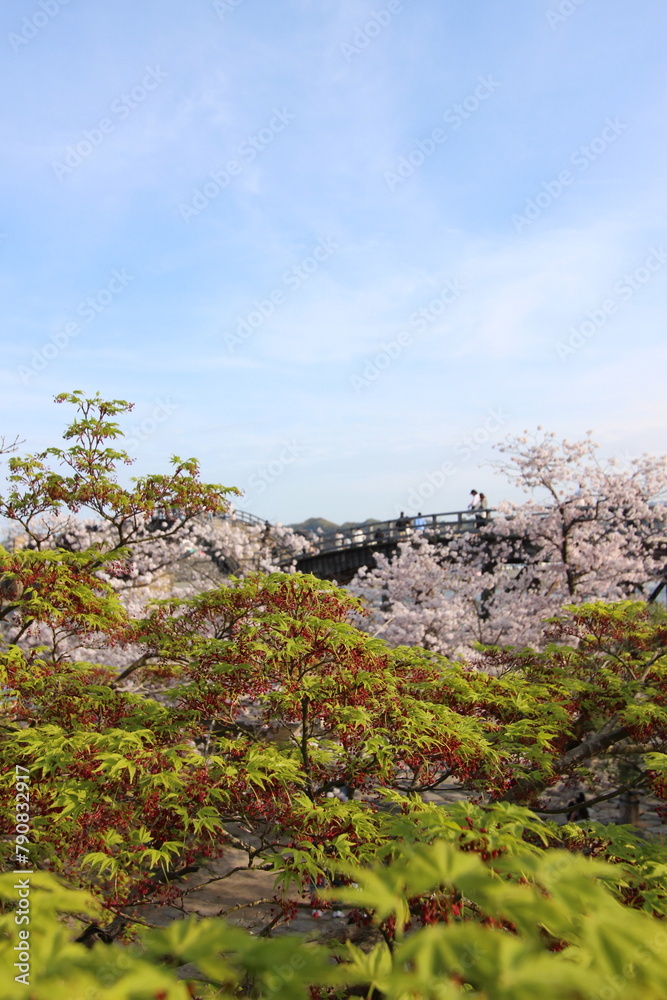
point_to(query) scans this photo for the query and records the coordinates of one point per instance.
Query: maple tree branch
(244, 906)
(605, 738)
(221, 878)
(139, 662)
(304, 747)
(598, 798)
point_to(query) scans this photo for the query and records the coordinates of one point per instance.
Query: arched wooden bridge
(338, 555)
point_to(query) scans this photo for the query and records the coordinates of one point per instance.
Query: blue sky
(435, 223)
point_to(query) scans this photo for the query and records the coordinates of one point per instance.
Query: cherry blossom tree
(589, 531)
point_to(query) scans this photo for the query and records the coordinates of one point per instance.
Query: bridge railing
(281, 554)
(375, 533)
(398, 529)
(242, 515)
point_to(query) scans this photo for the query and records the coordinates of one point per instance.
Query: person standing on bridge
(402, 524)
(420, 522)
(483, 511)
(474, 502)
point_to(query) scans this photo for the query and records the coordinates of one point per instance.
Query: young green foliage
(244, 709)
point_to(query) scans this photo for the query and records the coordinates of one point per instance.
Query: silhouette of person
(483, 511)
(578, 813)
(402, 523)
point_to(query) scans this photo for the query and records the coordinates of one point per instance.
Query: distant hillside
(315, 523)
(353, 524)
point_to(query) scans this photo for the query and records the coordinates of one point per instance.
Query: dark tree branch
(305, 701)
(605, 738)
(592, 802)
(130, 670)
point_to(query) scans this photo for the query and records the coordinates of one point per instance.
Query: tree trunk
(629, 808)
